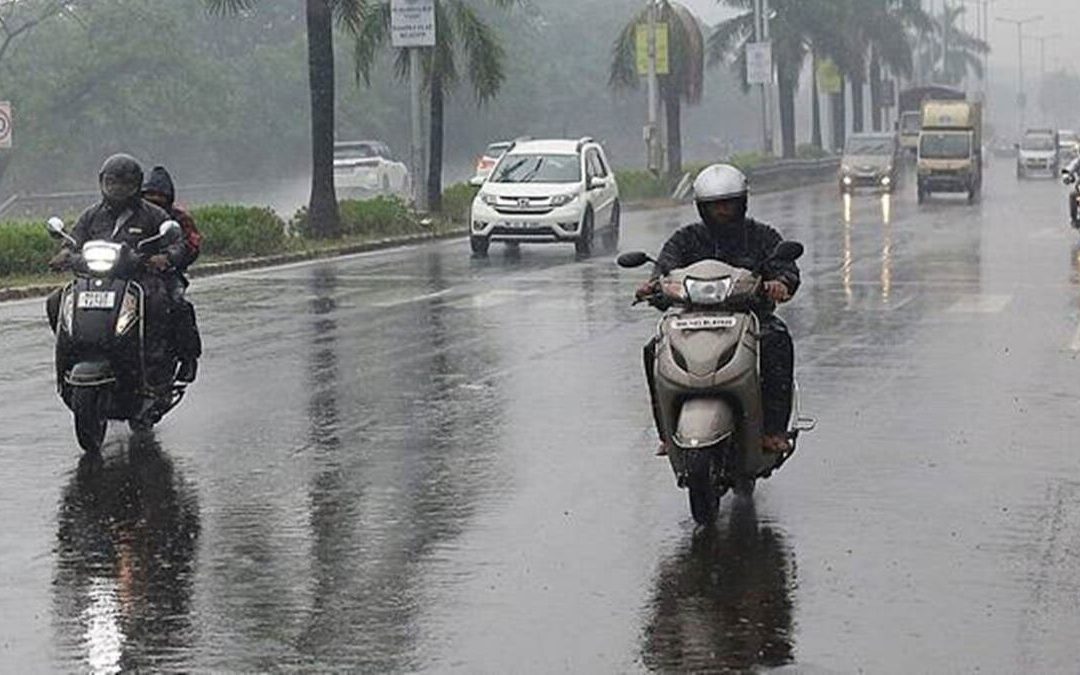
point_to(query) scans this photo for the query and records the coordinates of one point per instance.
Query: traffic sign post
(759, 67)
(412, 27)
(6, 125)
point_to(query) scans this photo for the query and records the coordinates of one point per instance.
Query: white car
(366, 168)
(487, 161)
(555, 191)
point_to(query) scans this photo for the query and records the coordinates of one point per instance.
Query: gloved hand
(159, 262)
(647, 289)
(61, 261)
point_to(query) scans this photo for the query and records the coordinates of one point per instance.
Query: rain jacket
(161, 182)
(129, 223)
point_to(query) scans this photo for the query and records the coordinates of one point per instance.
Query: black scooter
(110, 363)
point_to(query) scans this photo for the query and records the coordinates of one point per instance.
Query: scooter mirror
(56, 227)
(788, 251)
(169, 231)
(633, 259)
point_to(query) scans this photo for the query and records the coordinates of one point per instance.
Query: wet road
(414, 461)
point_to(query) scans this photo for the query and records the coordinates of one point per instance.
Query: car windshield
(944, 146)
(1038, 143)
(910, 123)
(538, 169)
(355, 152)
(866, 146)
(496, 149)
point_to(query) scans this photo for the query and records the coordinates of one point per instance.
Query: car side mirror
(596, 183)
(476, 181)
(788, 251)
(633, 259)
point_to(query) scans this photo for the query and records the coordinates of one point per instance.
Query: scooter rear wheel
(701, 480)
(90, 420)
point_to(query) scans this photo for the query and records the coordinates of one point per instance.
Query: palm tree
(461, 33)
(322, 205)
(949, 52)
(686, 80)
(793, 26)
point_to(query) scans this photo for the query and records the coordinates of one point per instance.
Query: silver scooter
(707, 379)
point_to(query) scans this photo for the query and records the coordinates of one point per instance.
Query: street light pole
(1042, 40)
(652, 132)
(1021, 101)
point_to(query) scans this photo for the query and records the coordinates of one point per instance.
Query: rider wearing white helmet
(726, 234)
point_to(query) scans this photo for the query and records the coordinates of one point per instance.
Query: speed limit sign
(5, 124)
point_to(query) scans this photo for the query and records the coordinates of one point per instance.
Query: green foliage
(749, 160)
(240, 231)
(457, 202)
(810, 151)
(381, 216)
(641, 185)
(25, 248)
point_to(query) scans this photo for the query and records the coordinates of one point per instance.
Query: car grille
(523, 232)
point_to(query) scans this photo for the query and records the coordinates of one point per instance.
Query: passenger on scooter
(725, 233)
(159, 189)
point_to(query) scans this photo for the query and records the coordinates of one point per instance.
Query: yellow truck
(950, 149)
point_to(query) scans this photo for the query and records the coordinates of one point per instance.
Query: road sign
(829, 78)
(5, 124)
(759, 68)
(663, 60)
(412, 23)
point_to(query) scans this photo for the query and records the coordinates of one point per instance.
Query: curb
(214, 269)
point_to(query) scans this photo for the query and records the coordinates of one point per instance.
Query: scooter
(109, 364)
(707, 381)
(1069, 178)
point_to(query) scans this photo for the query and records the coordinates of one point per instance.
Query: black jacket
(695, 243)
(129, 224)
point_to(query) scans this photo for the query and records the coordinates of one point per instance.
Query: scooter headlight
(100, 257)
(708, 291)
(129, 312)
(67, 310)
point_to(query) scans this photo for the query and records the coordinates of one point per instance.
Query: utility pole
(761, 28)
(652, 131)
(419, 185)
(1042, 40)
(1021, 98)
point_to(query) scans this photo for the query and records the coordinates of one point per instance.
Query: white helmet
(720, 181)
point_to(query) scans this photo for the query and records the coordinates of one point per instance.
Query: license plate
(97, 299)
(705, 323)
(521, 225)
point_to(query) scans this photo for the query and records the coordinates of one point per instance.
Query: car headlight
(708, 291)
(67, 310)
(847, 180)
(563, 200)
(490, 200)
(885, 180)
(129, 312)
(100, 257)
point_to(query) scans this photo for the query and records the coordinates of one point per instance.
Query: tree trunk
(857, 112)
(839, 117)
(815, 108)
(875, 92)
(786, 84)
(322, 207)
(435, 151)
(673, 113)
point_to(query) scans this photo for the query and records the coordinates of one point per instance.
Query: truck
(909, 105)
(950, 149)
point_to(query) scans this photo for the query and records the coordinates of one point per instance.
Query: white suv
(548, 192)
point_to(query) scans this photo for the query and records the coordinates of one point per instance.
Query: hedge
(239, 231)
(457, 202)
(381, 216)
(25, 248)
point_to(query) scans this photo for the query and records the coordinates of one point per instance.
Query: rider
(159, 189)
(123, 215)
(725, 233)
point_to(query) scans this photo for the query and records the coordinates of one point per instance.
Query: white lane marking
(981, 304)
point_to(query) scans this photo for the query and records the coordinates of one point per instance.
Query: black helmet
(120, 179)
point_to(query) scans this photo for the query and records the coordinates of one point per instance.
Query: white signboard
(5, 124)
(412, 23)
(759, 63)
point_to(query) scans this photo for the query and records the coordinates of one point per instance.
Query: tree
(793, 27)
(686, 80)
(948, 52)
(320, 15)
(461, 32)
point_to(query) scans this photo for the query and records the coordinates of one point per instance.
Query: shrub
(379, 216)
(457, 202)
(810, 151)
(240, 231)
(748, 160)
(639, 185)
(25, 248)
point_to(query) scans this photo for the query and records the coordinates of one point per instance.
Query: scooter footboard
(704, 422)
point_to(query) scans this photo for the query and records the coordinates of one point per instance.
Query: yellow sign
(663, 61)
(829, 79)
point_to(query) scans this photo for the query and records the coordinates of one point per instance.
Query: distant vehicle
(490, 157)
(950, 149)
(910, 109)
(1068, 146)
(549, 191)
(1037, 154)
(870, 160)
(367, 168)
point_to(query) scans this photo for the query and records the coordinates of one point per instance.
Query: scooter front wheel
(90, 420)
(701, 479)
